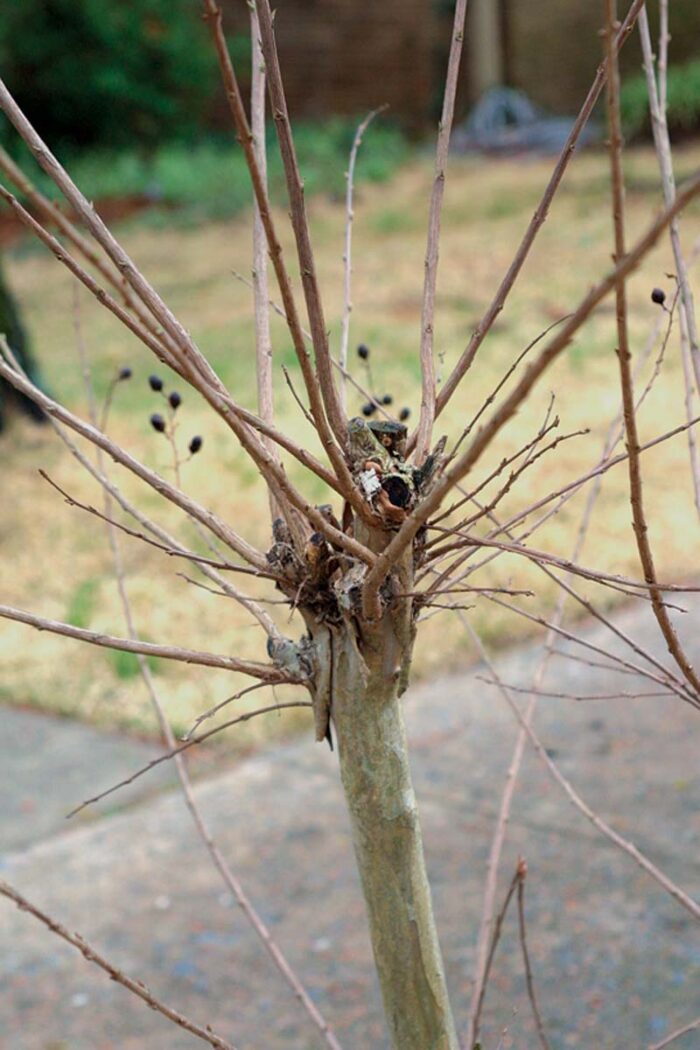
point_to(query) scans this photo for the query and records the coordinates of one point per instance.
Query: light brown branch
(475, 1022)
(300, 225)
(602, 826)
(115, 974)
(53, 214)
(662, 146)
(191, 741)
(265, 672)
(235, 101)
(544, 1042)
(510, 405)
(427, 324)
(640, 527)
(672, 1036)
(347, 253)
(163, 487)
(541, 212)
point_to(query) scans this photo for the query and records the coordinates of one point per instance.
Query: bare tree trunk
(369, 665)
(389, 850)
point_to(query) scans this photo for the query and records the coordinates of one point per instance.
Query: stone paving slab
(616, 961)
(47, 764)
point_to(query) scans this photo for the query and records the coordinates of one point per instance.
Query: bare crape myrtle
(409, 519)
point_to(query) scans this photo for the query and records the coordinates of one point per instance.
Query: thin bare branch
(662, 144)
(601, 825)
(672, 1036)
(191, 741)
(510, 405)
(163, 487)
(640, 527)
(541, 212)
(427, 327)
(300, 225)
(265, 672)
(115, 974)
(53, 214)
(473, 1035)
(347, 252)
(544, 1042)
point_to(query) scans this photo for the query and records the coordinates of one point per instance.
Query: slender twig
(640, 527)
(672, 1036)
(53, 214)
(232, 592)
(347, 252)
(300, 225)
(689, 338)
(261, 295)
(163, 487)
(115, 974)
(558, 695)
(601, 825)
(510, 405)
(544, 1042)
(232, 883)
(488, 960)
(538, 219)
(662, 145)
(265, 672)
(191, 741)
(240, 119)
(427, 326)
(491, 396)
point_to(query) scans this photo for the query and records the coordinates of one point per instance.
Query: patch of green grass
(393, 220)
(209, 179)
(83, 603)
(126, 665)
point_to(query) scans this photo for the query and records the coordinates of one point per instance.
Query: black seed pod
(157, 422)
(363, 351)
(404, 414)
(174, 399)
(658, 296)
(124, 373)
(155, 383)
(369, 408)
(195, 444)
(387, 399)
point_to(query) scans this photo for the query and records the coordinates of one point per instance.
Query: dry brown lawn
(56, 559)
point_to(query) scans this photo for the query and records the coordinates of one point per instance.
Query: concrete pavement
(616, 961)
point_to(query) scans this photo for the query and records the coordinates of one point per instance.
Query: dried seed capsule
(404, 414)
(363, 351)
(195, 444)
(658, 296)
(174, 399)
(124, 373)
(157, 422)
(155, 383)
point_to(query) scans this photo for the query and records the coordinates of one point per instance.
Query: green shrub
(683, 101)
(87, 72)
(209, 178)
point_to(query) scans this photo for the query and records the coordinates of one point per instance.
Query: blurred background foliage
(128, 96)
(92, 74)
(683, 101)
